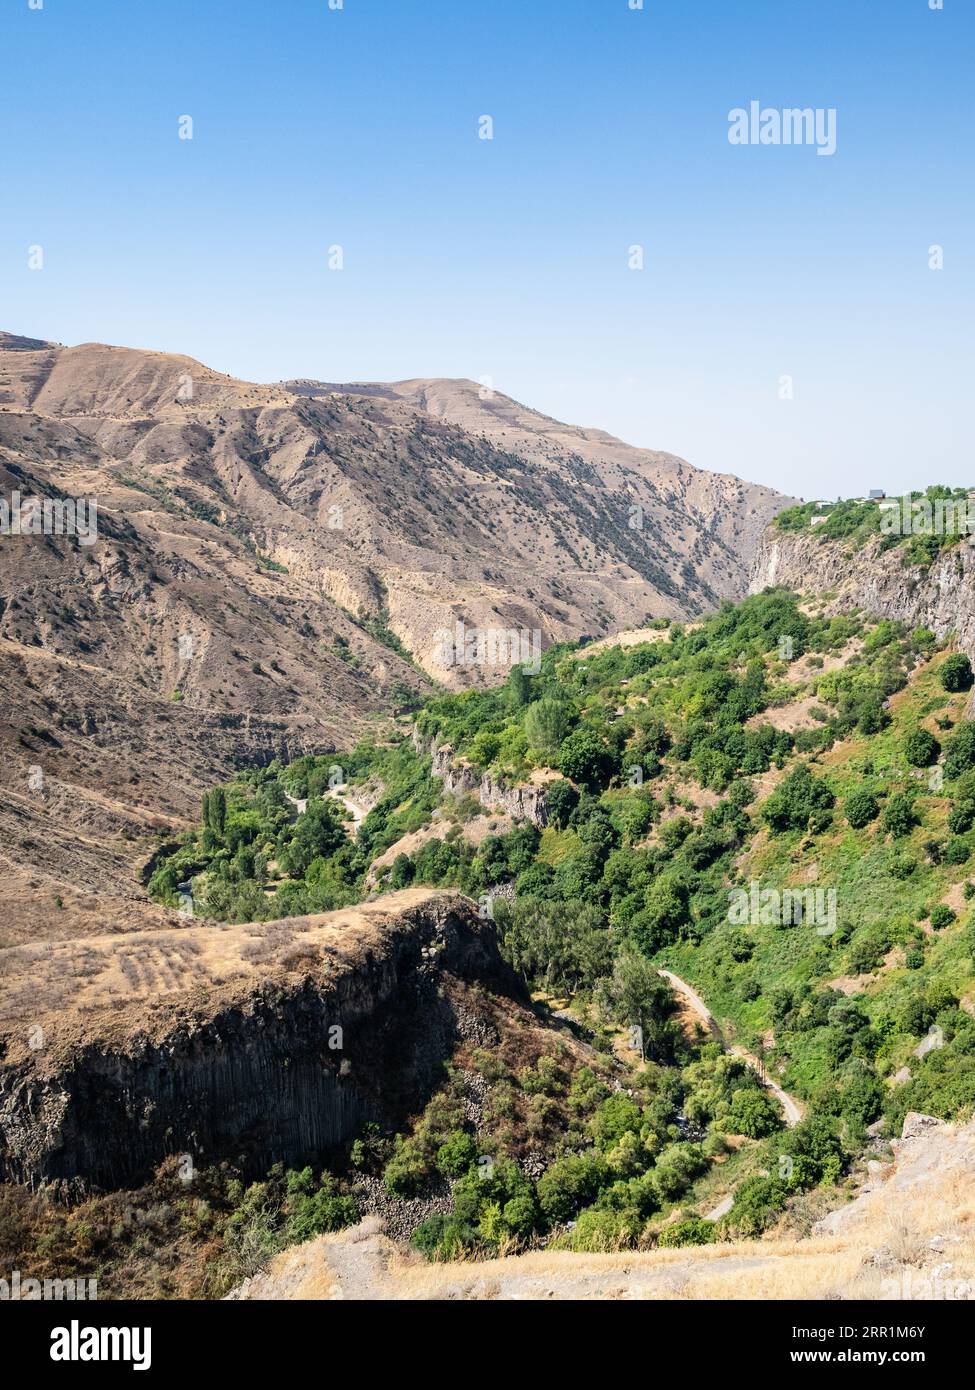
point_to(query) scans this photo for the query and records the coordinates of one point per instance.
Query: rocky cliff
(521, 801)
(258, 1044)
(941, 597)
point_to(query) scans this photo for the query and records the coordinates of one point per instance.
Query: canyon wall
(242, 1061)
(940, 597)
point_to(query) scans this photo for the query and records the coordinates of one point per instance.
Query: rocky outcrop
(522, 801)
(350, 1021)
(940, 597)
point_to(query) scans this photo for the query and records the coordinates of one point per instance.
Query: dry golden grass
(910, 1236)
(109, 983)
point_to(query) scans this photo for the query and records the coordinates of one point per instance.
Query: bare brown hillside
(272, 568)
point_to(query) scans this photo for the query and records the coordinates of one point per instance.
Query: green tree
(519, 688)
(899, 816)
(798, 797)
(546, 725)
(921, 748)
(585, 758)
(561, 799)
(636, 996)
(456, 1154)
(569, 1183)
(960, 751)
(401, 874)
(215, 810)
(942, 916)
(753, 1113)
(956, 673)
(861, 808)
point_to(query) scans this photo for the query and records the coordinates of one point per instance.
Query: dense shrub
(960, 751)
(586, 759)
(316, 1209)
(956, 672)
(569, 1183)
(921, 749)
(899, 815)
(798, 797)
(561, 799)
(456, 1154)
(942, 916)
(861, 808)
(753, 1113)
(694, 1231)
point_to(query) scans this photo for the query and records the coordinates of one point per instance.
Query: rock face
(522, 801)
(348, 1023)
(941, 597)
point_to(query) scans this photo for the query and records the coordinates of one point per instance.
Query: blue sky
(507, 258)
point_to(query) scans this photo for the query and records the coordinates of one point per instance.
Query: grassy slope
(870, 898)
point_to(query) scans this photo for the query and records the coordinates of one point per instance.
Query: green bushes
(956, 673)
(586, 759)
(556, 945)
(601, 1229)
(444, 1237)
(314, 1210)
(757, 1204)
(903, 866)
(571, 1182)
(960, 751)
(921, 749)
(457, 1154)
(284, 1209)
(408, 1171)
(677, 1167)
(546, 723)
(899, 815)
(796, 800)
(753, 1113)
(861, 807)
(561, 799)
(961, 816)
(694, 1231)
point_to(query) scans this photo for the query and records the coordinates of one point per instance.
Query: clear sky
(508, 258)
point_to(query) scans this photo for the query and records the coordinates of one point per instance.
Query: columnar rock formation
(259, 1044)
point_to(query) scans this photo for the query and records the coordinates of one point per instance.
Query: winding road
(792, 1109)
(357, 812)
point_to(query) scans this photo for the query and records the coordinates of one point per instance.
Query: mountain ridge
(271, 574)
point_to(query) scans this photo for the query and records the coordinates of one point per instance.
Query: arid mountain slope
(701, 527)
(267, 559)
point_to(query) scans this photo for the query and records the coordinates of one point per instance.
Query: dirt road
(356, 811)
(792, 1109)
